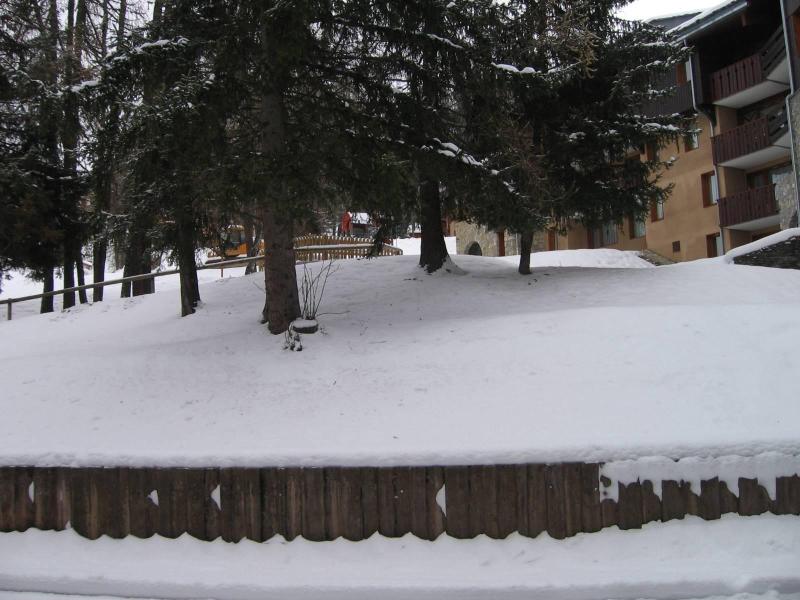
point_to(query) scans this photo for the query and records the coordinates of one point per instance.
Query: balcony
(678, 101)
(754, 78)
(749, 210)
(750, 145)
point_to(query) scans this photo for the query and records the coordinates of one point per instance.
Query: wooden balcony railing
(751, 137)
(736, 78)
(678, 101)
(773, 52)
(747, 206)
(749, 71)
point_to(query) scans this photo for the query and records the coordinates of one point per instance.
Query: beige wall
(686, 219)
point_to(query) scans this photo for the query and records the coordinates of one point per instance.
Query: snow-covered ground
(411, 246)
(680, 559)
(569, 364)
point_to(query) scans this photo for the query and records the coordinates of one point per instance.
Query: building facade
(735, 180)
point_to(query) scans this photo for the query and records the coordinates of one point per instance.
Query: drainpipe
(792, 92)
(711, 123)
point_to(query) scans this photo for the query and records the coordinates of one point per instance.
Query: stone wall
(788, 211)
(783, 255)
(468, 234)
(786, 196)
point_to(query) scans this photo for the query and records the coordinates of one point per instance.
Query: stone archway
(474, 249)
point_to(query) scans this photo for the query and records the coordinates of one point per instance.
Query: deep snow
(569, 364)
(680, 559)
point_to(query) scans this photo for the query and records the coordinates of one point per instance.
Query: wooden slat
(386, 503)
(572, 495)
(143, 512)
(23, 504)
(507, 499)
(537, 500)
(8, 518)
(673, 501)
(403, 498)
(369, 501)
(114, 503)
(630, 506)
(240, 492)
(556, 502)
(521, 474)
(753, 499)
(709, 500)
(344, 515)
(213, 512)
(457, 501)
(651, 503)
(787, 496)
(728, 501)
(81, 504)
(591, 510)
(294, 503)
(46, 499)
(434, 481)
(198, 499)
(420, 503)
(173, 504)
(313, 513)
(273, 502)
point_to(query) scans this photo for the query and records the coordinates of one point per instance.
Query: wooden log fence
(322, 504)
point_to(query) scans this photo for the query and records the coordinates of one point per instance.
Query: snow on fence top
(490, 367)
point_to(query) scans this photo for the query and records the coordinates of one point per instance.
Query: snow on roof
(708, 17)
(770, 240)
(360, 218)
(672, 20)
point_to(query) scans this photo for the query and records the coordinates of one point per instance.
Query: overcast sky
(644, 9)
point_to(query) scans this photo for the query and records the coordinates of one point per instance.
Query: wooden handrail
(222, 264)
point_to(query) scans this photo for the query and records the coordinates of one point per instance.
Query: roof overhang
(708, 19)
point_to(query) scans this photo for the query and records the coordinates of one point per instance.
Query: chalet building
(735, 180)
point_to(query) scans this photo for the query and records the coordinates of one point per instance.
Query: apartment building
(734, 180)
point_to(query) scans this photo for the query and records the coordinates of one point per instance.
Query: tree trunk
(526, 246)
(190, 290)
(251, 236)
(49, 285)
(81, 275)
(69, 278)
(105, 168)
(280, 277)
(433, 252)
(99, 253)
(137, 262)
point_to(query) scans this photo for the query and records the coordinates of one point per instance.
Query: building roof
(709, 17)
(671, 21)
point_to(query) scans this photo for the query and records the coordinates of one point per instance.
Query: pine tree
(573, 120)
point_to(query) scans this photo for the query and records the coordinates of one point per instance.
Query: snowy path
(680, 559)
(570, 364)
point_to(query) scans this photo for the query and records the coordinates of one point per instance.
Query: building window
(657, 211)
(714, 245)
(638, 228)
(610, 235)
(710, 188)
(651, 151)
(605, 235)
(676, 247)
(691, 141)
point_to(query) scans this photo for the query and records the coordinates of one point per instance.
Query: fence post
(9, 311)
